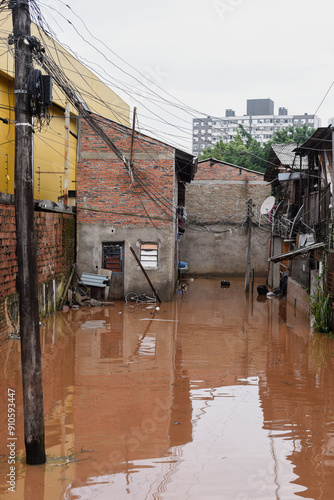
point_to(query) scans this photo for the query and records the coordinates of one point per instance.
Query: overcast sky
(210, 54)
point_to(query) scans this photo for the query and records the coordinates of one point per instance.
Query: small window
(149, 255)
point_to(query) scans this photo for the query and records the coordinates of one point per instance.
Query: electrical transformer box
(47, 90)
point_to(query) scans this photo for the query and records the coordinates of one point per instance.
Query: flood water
(215, 396)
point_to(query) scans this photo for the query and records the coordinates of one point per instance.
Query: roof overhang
(291, 176)
(296, 253)
(319, 140)
(186, 165)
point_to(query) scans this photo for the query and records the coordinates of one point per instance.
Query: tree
(292, 134)
(245, 151)
(288, 135)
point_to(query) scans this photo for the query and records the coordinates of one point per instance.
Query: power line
(155, 84)
(331, 85)
(155, 114)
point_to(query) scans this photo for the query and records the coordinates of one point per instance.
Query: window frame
(146, 258)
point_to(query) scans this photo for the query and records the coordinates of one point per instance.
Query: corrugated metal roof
(94, 280)
(283, 158)
(286, 156)
(320, 139)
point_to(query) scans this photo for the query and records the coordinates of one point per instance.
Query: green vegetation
(245, 151)
(292, 134)
(320, 308)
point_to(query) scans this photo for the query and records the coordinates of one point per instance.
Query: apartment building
(260, 121)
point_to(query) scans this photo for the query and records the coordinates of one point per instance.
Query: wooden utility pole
(26, 245)
(249, 241)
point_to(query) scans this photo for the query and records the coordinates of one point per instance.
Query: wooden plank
(145, 274)
(66, 289)
(105, 272)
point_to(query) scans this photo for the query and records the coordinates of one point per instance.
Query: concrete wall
(297, 296)
(300, 271)
(215, 240)
(163, 277)
(219, 252)
(55, 238)
(274, 275)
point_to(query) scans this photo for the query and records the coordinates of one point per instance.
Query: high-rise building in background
(260, 122)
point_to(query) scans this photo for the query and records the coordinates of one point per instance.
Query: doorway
(113, 259)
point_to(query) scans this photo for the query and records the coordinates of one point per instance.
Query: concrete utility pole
(67, 151)
(249, 241)
(26, 244)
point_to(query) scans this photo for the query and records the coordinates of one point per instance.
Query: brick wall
(8, 264)
(216, 170)
(55, 244)
(105, 193)
(220, 192)
(55, 239)
(213, 202)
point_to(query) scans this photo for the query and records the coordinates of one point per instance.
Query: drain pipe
(54, 294)
(44, 303)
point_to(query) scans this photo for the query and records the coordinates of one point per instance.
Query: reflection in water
(217, 395)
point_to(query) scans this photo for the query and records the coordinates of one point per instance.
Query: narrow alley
(216, 395)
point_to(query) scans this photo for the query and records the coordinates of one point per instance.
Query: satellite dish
(267, 205)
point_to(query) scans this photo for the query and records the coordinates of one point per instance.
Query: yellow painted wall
(49, 143)
(7, 135)
(49, 157)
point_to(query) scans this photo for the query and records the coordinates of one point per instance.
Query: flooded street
(215, 396)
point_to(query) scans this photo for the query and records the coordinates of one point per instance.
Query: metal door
(113, 259)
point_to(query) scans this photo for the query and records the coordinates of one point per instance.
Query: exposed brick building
(215, 242)
(115, 212)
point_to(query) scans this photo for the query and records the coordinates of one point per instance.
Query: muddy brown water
(217, 395)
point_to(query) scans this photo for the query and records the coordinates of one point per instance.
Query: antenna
(296, 220)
